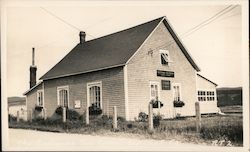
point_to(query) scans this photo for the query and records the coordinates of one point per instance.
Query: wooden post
(31, 116)
(64, 114)
(114, 118)
(17, 116)
(198, 116)
(44, 114)
(87, 115)
(150, 117)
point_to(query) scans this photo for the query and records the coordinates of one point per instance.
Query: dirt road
(20, 139)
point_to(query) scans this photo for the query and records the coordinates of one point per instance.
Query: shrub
(156, 120)
(72, 115)
(143, 117)
(59, 110)
(12, 118)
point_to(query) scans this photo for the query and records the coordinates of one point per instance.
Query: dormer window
(165, 58)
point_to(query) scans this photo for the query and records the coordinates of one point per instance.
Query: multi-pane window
(95, 96)
(40, 98)
(165, 85)
(206, 95)
(210, 96)
(177, 92)
(63, 96)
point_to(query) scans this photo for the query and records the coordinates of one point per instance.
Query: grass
(214, 128)
(232, 109)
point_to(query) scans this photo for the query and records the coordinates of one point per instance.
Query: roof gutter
(66, 75)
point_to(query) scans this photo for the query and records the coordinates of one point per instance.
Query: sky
(216, 48)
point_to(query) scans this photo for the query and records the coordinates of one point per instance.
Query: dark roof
(40, 82)
(207, 79)
(108, 51)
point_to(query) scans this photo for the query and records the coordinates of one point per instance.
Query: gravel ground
(20, 139)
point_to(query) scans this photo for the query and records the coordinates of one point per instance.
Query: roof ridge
(160, 18)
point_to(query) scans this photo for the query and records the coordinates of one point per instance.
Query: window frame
(158, 89)
(37, 97)
(169, 59)
(165, 81)
(58, 96)
(180, 93)
(206, 96)
(91, 84)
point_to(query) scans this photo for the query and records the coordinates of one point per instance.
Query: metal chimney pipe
(33, 56)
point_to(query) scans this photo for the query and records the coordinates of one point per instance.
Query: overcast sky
(216, 47)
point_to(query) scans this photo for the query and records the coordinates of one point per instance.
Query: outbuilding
(126, 69)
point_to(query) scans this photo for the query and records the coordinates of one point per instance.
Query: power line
(210, 21)
(207, 20)
(194, 29)
(64, 21)
(204, 23)
(52, 14)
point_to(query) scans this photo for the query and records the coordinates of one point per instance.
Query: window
(154, 91)
(177, 91)
(40, 98)
(95, 94)
(63, 96)
(206, 95)
(165, 85)
(165, 58)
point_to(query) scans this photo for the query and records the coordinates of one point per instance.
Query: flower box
(94, 110)
(179, 103)
(38, 108)
(156, 103)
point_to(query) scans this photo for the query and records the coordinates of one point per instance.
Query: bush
(12, 118)
(72, 115)
(59, 110)
(156, 120)
(143, 117)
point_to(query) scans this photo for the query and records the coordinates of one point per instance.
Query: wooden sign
(165, 73)
(77, 104)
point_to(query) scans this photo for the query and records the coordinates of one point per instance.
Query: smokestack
(82, 37)
(33, 69)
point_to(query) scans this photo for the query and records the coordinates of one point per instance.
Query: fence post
(198, 117)
(44, 114)
(17, 116)
(87, 115)
(150, 117)
(31, 116)
(64, 114)
(114, 118)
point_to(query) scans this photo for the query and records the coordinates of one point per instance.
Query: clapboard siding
(112, 90)
(142, 69)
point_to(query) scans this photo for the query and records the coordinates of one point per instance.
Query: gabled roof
(109, 51)
(206, 79)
